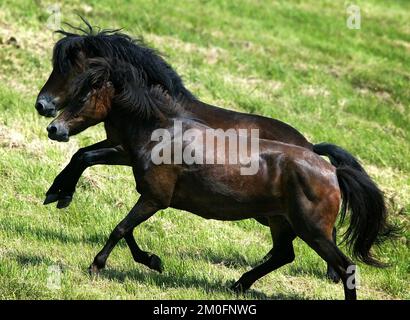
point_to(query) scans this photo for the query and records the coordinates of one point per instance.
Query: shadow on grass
(232, 260)
(319, 273)
(162, 280)
(25, 259)
(33, 260)
(235, 259)
(172, 281)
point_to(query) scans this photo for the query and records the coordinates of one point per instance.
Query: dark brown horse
(69, 59)
(294, 189)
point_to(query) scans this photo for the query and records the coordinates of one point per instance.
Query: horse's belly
(214, 205)
(226, 212)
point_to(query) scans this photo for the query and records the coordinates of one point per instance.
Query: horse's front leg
(142, 210)
(149, 259)
(64, 184)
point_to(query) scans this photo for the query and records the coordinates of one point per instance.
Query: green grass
(291, 60)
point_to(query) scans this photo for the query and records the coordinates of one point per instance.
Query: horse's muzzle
(46, 108)
(58, 131)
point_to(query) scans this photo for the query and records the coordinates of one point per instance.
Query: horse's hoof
(93, 270)
(156, 263)
(238, 287)
(64, 202)
(50, 198)
(333, 276)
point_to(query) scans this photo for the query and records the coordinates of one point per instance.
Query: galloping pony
(70, 56)
(294, 189)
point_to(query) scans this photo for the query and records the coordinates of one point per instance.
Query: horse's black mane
(133, 94)
(112, 44)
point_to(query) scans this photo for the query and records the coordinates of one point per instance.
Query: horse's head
(68, 61)
(70, 55)
(107, 85)
(87, 103)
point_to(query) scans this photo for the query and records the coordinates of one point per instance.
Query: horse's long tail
(337, 156)
(368, 222)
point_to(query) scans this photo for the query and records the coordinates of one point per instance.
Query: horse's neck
(207, 113)
(131, 131)
(192, 105)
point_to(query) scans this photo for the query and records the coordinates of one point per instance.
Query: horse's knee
(78, 156)
(83, 158)
(118, 233)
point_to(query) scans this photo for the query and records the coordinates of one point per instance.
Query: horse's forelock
(108, 44)
(66, 53)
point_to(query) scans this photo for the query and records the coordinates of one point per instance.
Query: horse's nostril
(39, 106)
(52, 129)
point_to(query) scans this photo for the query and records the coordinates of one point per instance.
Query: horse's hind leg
(151, 260)
(331, 273)
(332, 255)
(281, 254)
(318, 236)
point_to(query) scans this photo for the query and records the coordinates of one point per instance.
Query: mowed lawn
(292, 60)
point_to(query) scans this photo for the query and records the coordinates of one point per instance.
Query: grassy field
(292, 60)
